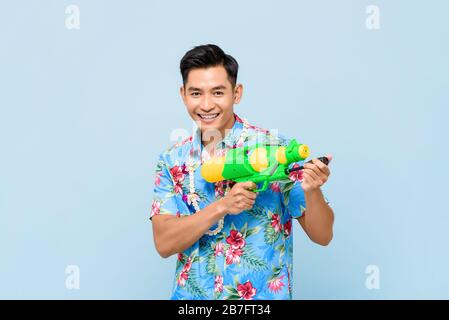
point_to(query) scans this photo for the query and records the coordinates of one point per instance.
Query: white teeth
(208, 116)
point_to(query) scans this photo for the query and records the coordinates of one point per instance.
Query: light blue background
(85, 113)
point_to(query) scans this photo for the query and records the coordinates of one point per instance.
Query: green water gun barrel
(259, 163)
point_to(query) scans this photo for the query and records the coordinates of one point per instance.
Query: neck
(212, 142)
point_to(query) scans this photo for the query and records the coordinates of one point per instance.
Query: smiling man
(231, 243)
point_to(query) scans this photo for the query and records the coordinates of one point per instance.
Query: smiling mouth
(208, 116)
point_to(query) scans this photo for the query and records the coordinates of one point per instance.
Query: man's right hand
(240, 198)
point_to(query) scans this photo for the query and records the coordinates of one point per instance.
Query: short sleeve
(292, 192)
(293, 195)
(164, 197)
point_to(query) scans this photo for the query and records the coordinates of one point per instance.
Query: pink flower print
(218, 249)
(276, 222)
(233, 255)
(276, 284)
(236, 240)
(218, 284)
(296, 175)
(155, 208)
(275, 187)
(246, 291)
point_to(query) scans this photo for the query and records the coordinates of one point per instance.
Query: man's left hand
(315, 175)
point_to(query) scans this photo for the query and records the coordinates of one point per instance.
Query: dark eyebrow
(220, 87)
(193, 89)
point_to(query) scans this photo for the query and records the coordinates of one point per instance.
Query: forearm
(178, 234)
(319, 217)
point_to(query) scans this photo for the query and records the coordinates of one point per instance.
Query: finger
(309, 165)
(249, 194)
(322, 166)
(312, 167)
(244, 204)
(249, 204)
(309, 180)
(244, 197)
(309, 173)
(320, 178)
(241, 198)
(249, 185)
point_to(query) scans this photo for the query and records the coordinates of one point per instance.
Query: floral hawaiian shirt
(252, 256)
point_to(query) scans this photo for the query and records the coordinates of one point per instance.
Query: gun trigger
(275, 166)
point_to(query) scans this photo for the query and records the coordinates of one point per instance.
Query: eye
(195, 94)
(218, 93)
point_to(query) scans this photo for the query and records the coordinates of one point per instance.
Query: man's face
(209, 97)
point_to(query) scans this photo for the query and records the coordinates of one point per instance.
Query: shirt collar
(229, 141)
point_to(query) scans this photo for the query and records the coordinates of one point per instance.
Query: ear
(238, 93)
(182, 93)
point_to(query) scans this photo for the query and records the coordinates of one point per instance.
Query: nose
(207, 105)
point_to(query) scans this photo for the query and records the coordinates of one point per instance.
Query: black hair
(205, 56)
